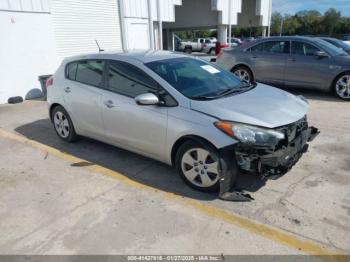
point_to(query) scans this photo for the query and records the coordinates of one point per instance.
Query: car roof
(280, 38)
(143, 56)
(308, 38)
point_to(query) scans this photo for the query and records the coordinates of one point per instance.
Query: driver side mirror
(321, 54)
(147, 99)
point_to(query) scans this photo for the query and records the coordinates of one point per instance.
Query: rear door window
(129, 80)
(90, 72)
(272, 47)
(278, 47)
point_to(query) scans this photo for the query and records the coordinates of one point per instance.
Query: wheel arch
(186, 138)
(52, 107)
(243, 65)
(332, 87)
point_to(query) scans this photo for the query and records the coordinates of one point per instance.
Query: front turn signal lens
(225, 127)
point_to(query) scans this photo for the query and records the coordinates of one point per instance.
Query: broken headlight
(250, 134)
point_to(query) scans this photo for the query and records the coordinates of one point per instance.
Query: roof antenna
(99, 48)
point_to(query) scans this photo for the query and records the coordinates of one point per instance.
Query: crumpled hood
(263, 106)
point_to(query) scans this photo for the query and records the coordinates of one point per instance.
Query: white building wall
(27, 46)
(39, 6)
(263, 9)
(27, 50)
(37, 34)
(78, 23)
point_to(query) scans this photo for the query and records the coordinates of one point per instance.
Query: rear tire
(243, 73)
(341, 86)
(63, 124)
(198, 164)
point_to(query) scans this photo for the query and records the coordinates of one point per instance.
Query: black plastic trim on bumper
(281, 161)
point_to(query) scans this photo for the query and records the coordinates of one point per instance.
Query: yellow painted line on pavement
(277, 235)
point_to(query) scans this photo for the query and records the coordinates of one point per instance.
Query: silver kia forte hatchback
(181, 111)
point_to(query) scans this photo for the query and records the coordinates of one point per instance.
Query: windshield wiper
(203, 97)
(226, 92)
(238, 89)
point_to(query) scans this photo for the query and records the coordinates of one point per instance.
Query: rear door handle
(291, 59)
(109, 104)
(67, 89)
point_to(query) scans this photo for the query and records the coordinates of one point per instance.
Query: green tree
(331, 21)
(276, 22)
(309, 22)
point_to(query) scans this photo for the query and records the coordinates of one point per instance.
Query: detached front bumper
(273, 163)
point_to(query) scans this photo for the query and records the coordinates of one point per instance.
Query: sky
(293, 6)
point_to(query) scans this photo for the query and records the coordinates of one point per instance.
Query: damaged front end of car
(276, 156)
(270, 153)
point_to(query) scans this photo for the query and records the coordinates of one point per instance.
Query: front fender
(186, 124)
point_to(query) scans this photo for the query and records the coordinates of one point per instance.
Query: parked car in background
(338, 43)
(247, 40)
(347, 39)
(291, 61)
(181, 111)
(209, 46)
(234, 42)
(195, 45)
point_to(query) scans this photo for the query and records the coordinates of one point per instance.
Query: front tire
(341, 86)
(198, 166)
(63, 124)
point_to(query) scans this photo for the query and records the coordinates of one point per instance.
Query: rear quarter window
(71, 70)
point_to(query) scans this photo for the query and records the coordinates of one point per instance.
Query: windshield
(332, 49)
(195, 78)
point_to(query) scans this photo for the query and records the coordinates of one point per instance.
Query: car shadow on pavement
(138, 168)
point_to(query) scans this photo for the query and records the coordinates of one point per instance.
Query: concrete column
(264, 32)
(160, 25)
(222, 34)
(150, 25)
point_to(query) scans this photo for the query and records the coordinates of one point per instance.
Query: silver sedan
(292, 62)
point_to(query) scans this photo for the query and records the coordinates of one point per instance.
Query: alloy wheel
(61, 124)
(343, 87)
(200, 168)
(243, 74)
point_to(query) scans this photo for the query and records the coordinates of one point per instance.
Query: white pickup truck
(195, 45)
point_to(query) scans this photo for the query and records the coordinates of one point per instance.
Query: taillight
(49, 82)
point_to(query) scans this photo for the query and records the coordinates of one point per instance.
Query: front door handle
(67, 89)
(291, 59)
(109, 104)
